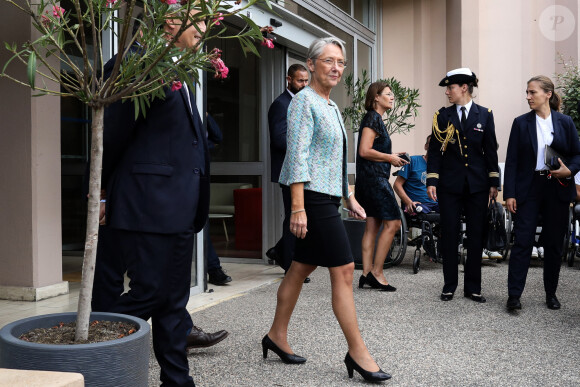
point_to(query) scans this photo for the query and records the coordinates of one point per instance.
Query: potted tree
(136, 78)
(397, 120)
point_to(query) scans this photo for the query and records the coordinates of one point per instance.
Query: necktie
(463, 117)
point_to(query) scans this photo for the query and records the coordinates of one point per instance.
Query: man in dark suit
(462, 175)
(297, 79)
(156, 187)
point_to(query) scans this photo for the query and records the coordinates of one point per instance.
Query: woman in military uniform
(462, 174)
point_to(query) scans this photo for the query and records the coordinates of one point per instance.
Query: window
(365, 13)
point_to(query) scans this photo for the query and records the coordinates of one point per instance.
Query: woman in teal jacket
(315, 170)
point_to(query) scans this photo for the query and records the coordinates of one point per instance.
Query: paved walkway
(419, 339)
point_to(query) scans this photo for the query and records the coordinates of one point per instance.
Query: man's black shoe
(306, 280)
(218, 277)
(474, 297)
(552, 302)
(273, 255)
(446, 296)
(513, 303)
(197, 338)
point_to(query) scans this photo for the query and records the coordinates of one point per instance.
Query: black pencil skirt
(326, 243)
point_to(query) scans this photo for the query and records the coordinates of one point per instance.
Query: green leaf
(31, 69)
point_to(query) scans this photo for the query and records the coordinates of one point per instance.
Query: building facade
(44, 146)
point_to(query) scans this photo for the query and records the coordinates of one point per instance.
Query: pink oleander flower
(268, 43)
(45, 20)
(217, 19)
(110, 3)
(169, 1)
(221, 70)
(176, 85)
(57, 11)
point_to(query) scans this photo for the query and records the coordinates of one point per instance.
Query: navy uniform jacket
(278, 127)
(156, 168)
(522, 150)
(471, 154)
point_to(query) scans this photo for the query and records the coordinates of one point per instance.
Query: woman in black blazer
(531, 188)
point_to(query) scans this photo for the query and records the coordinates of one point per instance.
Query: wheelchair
(428, 240)
(355, 230)
(574, 231)
(571, 242)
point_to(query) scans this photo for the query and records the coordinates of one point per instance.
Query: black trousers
(159, 268)
(542, 199)
(110, 268)
(285, 246)
(474, 206)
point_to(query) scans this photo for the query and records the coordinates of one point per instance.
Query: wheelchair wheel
(572, 256)
(567, 238)
(399, 246)
(416, 261)
(463, 255)
(509, 235)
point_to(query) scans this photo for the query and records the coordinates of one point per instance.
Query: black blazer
(156, 167)
(470, 156)
(522, 151)
(277, 125)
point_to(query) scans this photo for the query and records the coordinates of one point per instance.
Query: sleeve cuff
(432, 179)
(494, 179)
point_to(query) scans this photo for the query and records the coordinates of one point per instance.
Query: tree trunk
(90, 257)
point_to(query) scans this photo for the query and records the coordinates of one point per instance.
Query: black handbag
(496, 234)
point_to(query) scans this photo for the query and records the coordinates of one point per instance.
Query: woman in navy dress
(373, 190)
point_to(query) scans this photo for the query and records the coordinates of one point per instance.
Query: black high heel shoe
(377, 376)
(288, 358)
(361, 281)
(375, 284)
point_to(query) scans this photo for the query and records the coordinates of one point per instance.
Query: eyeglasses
(330, 62)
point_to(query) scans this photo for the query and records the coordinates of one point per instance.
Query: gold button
(466, 164)
(464, 138)
(465, 146)
(465, 155)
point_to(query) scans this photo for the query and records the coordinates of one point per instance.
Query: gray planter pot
(121, 362)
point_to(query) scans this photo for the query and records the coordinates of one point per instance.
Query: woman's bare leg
(390, 228)
(287, 296)
(368, 243)
(343, 306)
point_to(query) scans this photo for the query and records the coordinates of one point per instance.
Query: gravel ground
(419, 339)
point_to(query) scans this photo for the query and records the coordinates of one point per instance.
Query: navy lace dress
(372, 189)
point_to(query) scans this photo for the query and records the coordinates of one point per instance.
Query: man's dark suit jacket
(278, 126)
(522, 151)
(470, 155)
(156, 168)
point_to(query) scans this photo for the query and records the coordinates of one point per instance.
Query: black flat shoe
(446, 296)
(375, 284)
(288, 358)
(513, 303)
(552, 302)
(351, 365)
(475, 297)
(361, 281)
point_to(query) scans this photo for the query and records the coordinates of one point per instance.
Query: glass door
(238, 160)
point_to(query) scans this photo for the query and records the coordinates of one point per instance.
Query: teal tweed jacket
(316, 145)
